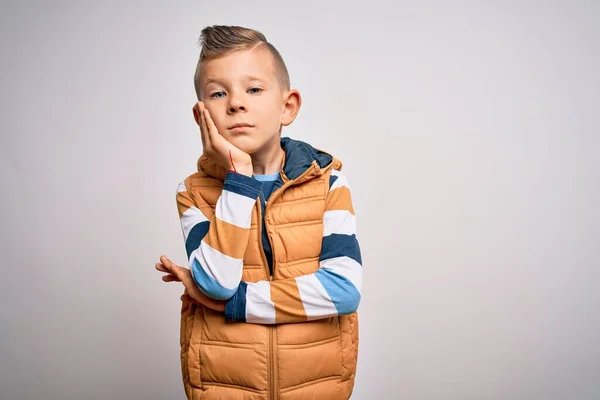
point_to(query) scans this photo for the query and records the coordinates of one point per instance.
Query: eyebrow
(254, 78)
(210, 79)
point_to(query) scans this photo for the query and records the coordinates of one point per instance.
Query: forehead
(242, 64)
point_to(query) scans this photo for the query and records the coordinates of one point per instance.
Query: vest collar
(301, 162)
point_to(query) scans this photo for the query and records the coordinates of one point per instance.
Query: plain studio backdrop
(469, 133)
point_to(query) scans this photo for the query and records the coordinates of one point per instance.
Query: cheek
(270, 112)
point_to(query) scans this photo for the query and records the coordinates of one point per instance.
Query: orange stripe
(184, 202)
(340, 199)
(288, 304)
(227, 238)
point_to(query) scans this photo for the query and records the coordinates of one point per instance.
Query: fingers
(212, 128)
(167, 265)
(166, 262)
(216, 139)
(171, 278)
(204, 131)
(160, 267)
(199, 110)
(219, 145)
(170, 268)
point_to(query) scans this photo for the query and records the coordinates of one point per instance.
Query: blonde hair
(219, 40)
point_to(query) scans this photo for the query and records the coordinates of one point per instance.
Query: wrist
(246, 170)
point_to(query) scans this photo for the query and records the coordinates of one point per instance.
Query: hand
(219, 149)
(176, 273)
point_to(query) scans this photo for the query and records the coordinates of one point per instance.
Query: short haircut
(220, 40)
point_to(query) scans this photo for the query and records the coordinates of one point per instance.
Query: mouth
(240, 126)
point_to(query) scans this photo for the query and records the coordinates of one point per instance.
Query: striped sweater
(216, 245)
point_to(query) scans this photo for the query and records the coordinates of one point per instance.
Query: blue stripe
(337, 245)
(332, 179)
(208, 285)
(235, 308)
(195, 237)
(341, 291)
(242, 185)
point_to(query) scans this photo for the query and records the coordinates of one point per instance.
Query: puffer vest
(235, 360)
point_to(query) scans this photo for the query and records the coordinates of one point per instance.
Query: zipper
(272, 381)
(263, 221)
(270, 350)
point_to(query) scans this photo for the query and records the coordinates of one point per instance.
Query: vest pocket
(349, 344)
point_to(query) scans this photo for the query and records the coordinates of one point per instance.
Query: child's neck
(268, 160)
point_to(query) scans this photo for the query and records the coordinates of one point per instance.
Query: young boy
(269, 308)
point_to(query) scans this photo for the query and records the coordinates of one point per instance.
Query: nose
(236, 103)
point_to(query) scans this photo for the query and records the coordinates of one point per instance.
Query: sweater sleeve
(215, 242)
(334, 289)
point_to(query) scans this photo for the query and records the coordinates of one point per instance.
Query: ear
(291, 106)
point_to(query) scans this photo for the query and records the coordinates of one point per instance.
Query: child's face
(243, 87)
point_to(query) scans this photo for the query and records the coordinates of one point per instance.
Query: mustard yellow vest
(234, 360)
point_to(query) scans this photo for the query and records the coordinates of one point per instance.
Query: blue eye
(255, 90)
(216, 95)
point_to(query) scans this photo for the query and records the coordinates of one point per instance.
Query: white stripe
(235, 209)
(181, 188)
(190, 218)
(339, 221)
(259, 307)
(340, 181)
(347, 267)
(227, 271)
(315, 299)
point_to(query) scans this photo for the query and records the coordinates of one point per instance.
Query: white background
(469, 133)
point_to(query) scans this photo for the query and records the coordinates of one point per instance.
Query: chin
(246, 144)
